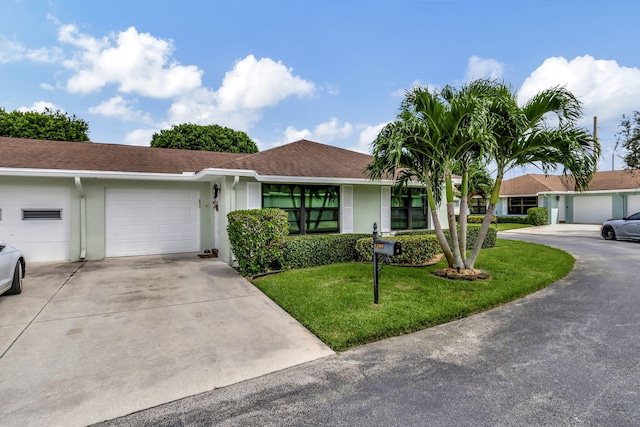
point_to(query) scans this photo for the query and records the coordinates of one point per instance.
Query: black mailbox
(387, 247)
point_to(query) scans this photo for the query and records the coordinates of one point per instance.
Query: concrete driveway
(91, 341)
(564, 356)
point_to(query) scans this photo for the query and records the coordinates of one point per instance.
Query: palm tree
(435, 132)
(439, 131)
(526, 136)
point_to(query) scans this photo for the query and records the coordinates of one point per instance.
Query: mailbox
(387, 247)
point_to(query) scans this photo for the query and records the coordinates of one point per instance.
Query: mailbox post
(386, 248)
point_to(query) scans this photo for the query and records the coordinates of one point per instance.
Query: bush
(416, 249)
(472, 235)
(322, 249)
(257, 237)
(513, 219)
(477, 219)
(538, 216)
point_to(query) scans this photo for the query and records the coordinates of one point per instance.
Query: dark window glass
(520, 205)
(409, 209)
(311, 208)
(477, 206)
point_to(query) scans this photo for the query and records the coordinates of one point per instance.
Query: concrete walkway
(557, 229)
(86, 342)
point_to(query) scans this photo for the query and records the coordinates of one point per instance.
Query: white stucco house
(77, 200)
(612, 194)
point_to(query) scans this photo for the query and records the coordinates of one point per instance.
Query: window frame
(304, 212)
(409, 209)
(521, 208)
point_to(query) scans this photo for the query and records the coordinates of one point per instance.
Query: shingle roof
(306, 159)
(39, 154)
(302, 158)
(539, 183)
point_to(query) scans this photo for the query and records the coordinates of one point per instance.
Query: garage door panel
(592, 209)
(633, 204)
(146, 222)
(39, 239)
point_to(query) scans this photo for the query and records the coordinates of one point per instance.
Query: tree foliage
(49, 125)
(629, 139)
(452, 129)
(188, 136)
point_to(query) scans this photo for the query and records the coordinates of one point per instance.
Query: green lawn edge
(335, 302)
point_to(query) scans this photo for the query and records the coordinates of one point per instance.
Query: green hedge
(416, 249)
(472, 235)
(257, 237)
(513, 219)
(322, 249)
(538, 216)
(477, 219)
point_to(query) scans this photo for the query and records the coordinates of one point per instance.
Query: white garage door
(149, 222)
(633, 204)
(37, 220)
(591, 209)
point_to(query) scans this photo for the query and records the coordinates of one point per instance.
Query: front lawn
(501, 226)
(335, 301)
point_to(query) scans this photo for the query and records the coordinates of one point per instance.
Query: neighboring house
(612, 194)
(78, 200)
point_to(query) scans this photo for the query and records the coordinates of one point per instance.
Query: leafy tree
(190, 136)
(452, 129)
(629, 138)
(49, 125)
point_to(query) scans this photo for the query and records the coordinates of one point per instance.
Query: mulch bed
(465, 274)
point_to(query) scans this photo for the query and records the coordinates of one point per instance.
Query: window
(520, 205)
(409, 209)
(311, 208)
(477, 206)
(30, 214)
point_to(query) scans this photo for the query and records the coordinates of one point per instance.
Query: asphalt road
(564, 356)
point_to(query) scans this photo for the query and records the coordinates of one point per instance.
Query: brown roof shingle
(39, 154)
(539, 183)
(302, 158)
(306, 159)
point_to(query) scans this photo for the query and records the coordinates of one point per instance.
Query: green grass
(503, 226)
(335, 301)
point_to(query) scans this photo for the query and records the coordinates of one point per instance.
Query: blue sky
(281, 70)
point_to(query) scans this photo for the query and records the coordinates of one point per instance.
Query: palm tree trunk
(451, 217)
(442, 239)
(486, 223)
(462, 216)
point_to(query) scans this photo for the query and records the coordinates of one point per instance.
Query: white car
(12, 269)
(625, 228)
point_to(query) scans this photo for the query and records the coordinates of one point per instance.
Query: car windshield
(634, 217)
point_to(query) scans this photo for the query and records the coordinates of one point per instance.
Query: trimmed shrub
(321, 249)
(472, 235)
(477, 219)
(416, 249)
(257, 237)
(538, 216)
(513, 219)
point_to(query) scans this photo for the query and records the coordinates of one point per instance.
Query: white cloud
(46, 86)
(324, 132)
(122, 109)
(40, 106)
(141, 137)
(367, 135)
(12, 51)
(136, 62)
(606, 89)
(249, 87)
(479, 68)
(255, 84)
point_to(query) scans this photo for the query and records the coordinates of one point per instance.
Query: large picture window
(409, 209)
(311, 208)
(477, 206)
(520, 205)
